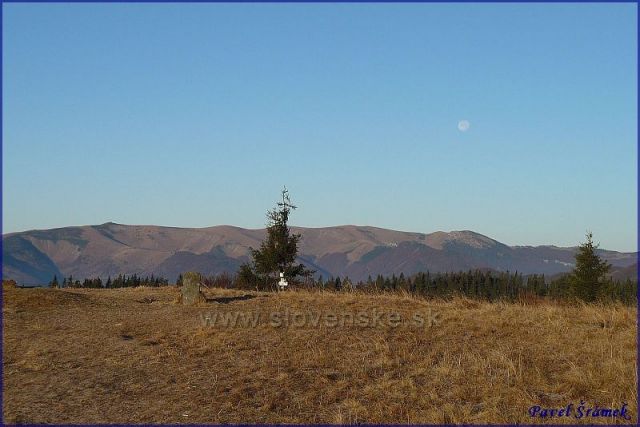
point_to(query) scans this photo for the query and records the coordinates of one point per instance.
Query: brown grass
(135, 356)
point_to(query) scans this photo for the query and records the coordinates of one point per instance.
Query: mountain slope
(33, 257)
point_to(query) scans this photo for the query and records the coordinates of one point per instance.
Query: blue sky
(197, 115)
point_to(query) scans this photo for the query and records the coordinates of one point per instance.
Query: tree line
(120, 281)
(478, 284)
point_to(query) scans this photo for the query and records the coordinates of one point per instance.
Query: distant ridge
(33, 257)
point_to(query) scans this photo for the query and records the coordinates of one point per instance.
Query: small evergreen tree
(277, 253)
(589, 275)
(54, 282)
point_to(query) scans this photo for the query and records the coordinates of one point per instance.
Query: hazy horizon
(411, 117)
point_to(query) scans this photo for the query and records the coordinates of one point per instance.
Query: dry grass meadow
(136, 356)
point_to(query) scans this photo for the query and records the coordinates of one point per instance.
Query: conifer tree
(589, 274)
(277, 253)
(54, 281)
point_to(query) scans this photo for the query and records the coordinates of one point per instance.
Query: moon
(463, 125)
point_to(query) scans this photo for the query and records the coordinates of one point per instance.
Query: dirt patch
(228, 299)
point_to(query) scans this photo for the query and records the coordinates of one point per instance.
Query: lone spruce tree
(54, 283)
(277, 253)
(589, 275)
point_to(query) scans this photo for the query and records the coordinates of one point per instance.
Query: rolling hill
(33, 257)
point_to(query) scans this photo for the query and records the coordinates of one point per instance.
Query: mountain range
(34, 257)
